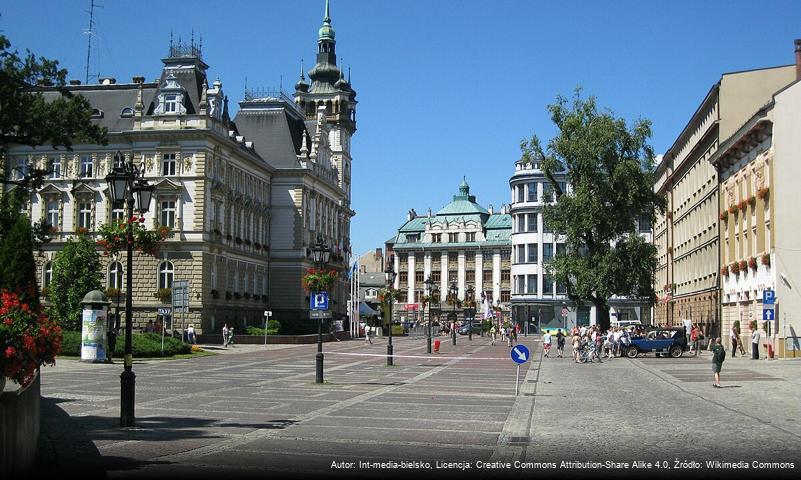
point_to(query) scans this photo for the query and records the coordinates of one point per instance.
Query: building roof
(463, 203)
(274, 128)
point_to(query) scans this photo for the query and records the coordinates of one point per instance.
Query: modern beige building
(687, 234)
(759, 239)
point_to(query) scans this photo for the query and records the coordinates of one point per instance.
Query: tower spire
(327, 13)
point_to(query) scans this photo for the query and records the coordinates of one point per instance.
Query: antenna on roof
(90, 33)
(280, 83)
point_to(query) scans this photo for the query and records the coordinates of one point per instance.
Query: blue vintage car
(667, 340)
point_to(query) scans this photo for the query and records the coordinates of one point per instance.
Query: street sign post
(768, 314)
(267, 315)
(165, 310)
(768, 297)
(319, 314)
(520, 355)
(318, 301)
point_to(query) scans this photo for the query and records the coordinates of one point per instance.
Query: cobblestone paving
(255, 410)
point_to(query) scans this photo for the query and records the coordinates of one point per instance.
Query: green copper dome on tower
(326, 31)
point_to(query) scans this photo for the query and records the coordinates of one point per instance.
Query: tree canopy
(609, 167)
(76, 271)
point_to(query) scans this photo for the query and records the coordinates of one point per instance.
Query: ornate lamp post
(127, 184)
(453, 291)
(429, 286)
(389, 272)
(471, 312)
(320, 253)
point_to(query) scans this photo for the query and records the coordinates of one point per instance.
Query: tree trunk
(602, 315)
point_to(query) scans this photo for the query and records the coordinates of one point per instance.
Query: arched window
(127, 112)
(115, 275)
(166, 273)
(48, 274)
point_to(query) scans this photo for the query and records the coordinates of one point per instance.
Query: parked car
(665, 340)
(465, 329)
(627, 324)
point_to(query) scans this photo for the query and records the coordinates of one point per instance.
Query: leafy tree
(610, 168)
(17, 266)
(76, 272)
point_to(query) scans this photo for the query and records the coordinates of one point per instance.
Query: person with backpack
(718, 357)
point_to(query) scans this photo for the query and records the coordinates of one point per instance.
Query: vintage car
(664, 340)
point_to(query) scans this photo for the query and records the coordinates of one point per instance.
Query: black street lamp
(429, 286)
(471, 312)
(389, 272)
(127, 184)
(320, 253)
(453, 291)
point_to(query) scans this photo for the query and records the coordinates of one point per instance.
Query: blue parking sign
(319, 301)
(768, 297)
(768, 314)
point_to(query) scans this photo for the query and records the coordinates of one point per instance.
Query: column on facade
(443, 287)
(461, 273)
(496, 276)
(396, 284)
(479, 273)
(411, 260)
(426, 265)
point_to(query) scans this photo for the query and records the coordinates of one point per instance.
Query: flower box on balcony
(766, 259)
(735, 268)
(247, 242)
(217, 231)
(732, 209)
(164, 294)
(752, 200)
(762, 192)
(724, 215)
(743, 265)
(752, 263)
(724, 271)
(743, 204)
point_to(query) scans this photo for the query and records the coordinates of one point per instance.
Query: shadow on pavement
(68, 446)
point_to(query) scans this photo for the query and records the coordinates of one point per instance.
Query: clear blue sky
(446, 88)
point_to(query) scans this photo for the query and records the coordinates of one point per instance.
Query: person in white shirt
(609, 343)
(616, 342)
(546, 343)
(190, 334)
(583, 331)
(755, 344)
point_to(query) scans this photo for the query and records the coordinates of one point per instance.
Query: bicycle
(589, 353)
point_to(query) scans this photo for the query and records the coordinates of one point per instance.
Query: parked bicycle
(589, 354)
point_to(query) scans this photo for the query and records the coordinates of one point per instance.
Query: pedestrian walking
(734, 341)
(493, 332)
(694, 333)
(512, 337)
(546, 343)
(755, 335)
(560, 343)
(225, 335)
(367, 332)
(190, 334)
(718, 356)
(576, 346)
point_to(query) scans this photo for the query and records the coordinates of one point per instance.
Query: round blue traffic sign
(519, 354)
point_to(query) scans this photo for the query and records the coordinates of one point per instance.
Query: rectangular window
(168, 213)
(521, 223)
(547, 192)
(170, 103)
(547, 252)
(521, 254)
(117, 213)
(487, 276)
(547, 285)
(436, 256)
(55, 167)
(470, 237)
(470, 276)
(85, 215)
(418, 277)
(504, 275)
(436, 238)
(532, 192)
(562, 186)
(532, 253)
(21, 169)
(436, 277)
(561, 288)
(412, 237)
(86, 166)
(645, 224)
(545, 227)
(453, 237)
(520, 283)
(404, 296)
(561, 249)
(506, 254)
(506, 296)
(53, 213)
(168, 164)
(531, 284)
(521, 193)
(531, 222)
(403, 277)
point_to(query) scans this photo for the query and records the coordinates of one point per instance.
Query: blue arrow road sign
(768, 314)
(768, 297)
(319, 301)
(520, 354)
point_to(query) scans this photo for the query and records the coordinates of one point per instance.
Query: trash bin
(436, 345)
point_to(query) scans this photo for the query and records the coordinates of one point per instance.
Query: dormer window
(412, 237)
(127, 112)
(55, 167)
(170, 103)
(168, 164)
(86, 166)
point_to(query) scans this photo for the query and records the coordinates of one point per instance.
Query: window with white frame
(55, 167)
(167, 213)
(470, 237)
(115, 275)
(85, 214)
(21, 168)
(532, 192)
(532, 253)
(166, 274)
(53, 211)
(170, 103)
(531, 284)
(168, 164)
(117, 213)
(86, 166)
(214, 275)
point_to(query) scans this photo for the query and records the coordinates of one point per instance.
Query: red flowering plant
(319, 280)
(113, 237)
(752, 263)
(28, 339)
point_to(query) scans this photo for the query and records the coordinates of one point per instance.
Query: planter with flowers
(724, 271)
(724, 215)
(752, 200)
(164, 294)
(734, 268)
(319, 280)
(762, 192)
(743, 265)
(28, 339)
(732, 209)
(752, 263)
(113, 237)
(743, 204)
(766, 259)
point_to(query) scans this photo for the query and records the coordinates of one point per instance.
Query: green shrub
(273, 327)
(144, 345)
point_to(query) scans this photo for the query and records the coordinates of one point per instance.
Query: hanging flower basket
(743, 204)
(762, 192)
(732, 209)
(743, 265)
(725, 271)
(319, 280)
(752, 200)
(164, 294)
(724, 215)
(28, 339)
(752, 263)
(113, 237)
(766, 259)
(735, 268)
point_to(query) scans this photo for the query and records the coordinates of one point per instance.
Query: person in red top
(694, 333)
